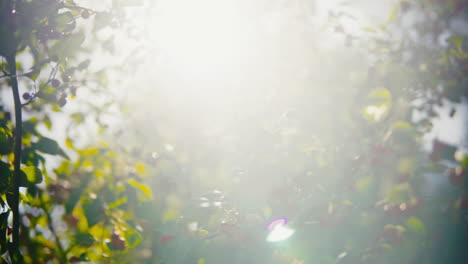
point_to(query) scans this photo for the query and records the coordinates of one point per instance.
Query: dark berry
(55, 83)
(85, 14)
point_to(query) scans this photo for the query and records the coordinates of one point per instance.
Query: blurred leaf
(31, 158)
(398, 194)
(202, 232)
(416, 225)
(363, 184)
(406, 166)
(140, 168)
(84, 239)
(6, 143)
(3, 229)
(68, 45)
(369, 29)
(5, 176)
(49, 146)
(33, 174)
(93, 210)
(378, 104)
(393, 14)
(169, 215)
(457, 41)
(143, 188)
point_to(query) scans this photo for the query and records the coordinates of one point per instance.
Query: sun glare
(202, 39)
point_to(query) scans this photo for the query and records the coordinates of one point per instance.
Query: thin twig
(52, 229)
(52, 75)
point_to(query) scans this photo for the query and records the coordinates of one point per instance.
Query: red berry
(117, 242)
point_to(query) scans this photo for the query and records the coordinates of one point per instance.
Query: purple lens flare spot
(276, 223)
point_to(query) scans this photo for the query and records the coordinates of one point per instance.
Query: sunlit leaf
(142, 187)
(393, 14)
(378, 104)
(33, 174)
(140, 168)
(369, 29)
(202, 232)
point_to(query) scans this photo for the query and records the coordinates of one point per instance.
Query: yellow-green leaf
(369, 29)
(140, 168)
(142, 187)
(202, 232)
(33, 174)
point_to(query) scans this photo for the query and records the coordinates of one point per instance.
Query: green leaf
(5, 176)
(25, 198)
(6, 144)
(48, 94)
(67, 46)
(31, 157)
(3, 229)
(64, 18)
(64, 22)
(33, 174)
(416, 225)
(85, 239)
(76, 194)
(49, 146)
(93, 210)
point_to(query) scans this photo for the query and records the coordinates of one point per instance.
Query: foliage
(84, 209)
(339, 156)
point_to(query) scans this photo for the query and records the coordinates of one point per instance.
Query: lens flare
(278, 230)
(277, 222)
